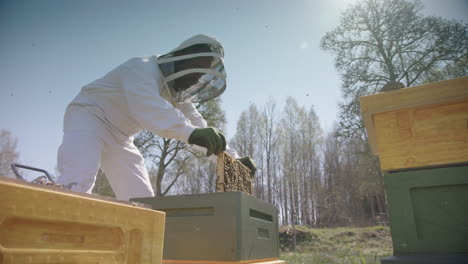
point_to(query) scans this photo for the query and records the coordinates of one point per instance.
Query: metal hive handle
(14, 167)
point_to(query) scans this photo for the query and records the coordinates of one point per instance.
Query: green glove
(249, 162)
(209, 138)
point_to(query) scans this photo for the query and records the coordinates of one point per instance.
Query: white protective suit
(100, 122)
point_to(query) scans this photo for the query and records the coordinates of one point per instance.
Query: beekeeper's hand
(209, 138)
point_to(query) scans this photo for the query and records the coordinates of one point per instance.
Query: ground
(343, 245)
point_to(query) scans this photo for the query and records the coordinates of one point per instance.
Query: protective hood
(194, 71)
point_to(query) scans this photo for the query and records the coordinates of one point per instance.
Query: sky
(50, 49)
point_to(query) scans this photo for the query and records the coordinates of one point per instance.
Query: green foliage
(102, 186)
(363, 261)
(212, 113)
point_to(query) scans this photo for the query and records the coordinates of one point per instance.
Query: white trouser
(89, 143)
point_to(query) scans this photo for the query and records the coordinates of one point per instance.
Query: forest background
(315, 178)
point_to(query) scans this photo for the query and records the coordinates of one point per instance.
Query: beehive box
(421, 126)
(428, 215)
(222, 227)
(43, 224)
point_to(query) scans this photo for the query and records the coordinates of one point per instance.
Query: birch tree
(270, 146)
(8, 152)
(248, 141)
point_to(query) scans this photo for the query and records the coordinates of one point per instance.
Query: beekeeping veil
(194, 71)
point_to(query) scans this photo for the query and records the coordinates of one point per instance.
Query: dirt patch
(346, 234)
(286, 237)
(369, 235)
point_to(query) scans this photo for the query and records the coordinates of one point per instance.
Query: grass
(344, 245)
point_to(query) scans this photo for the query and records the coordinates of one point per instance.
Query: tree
(248, 141)
(301, 135)
(379, 41)
(8, 152)
(159, 153)
(309, 163)
(246, 137)
(212, 113)
(269, 145)
(352, 191)
(331, 206)
(450, 71)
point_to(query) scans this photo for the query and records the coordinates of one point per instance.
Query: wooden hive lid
(427, 94)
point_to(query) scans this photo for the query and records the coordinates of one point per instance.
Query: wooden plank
(432, 93)
(232, 175)
(64, 190)
(423, 136)
(257, 261)
(220, 173)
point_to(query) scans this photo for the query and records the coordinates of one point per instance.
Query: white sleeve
(150, 110)
(232, 152)
(191, 113)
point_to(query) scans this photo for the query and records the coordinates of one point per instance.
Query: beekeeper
(155, 93)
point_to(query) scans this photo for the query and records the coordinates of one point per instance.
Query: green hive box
(224, 226)
(428, 215)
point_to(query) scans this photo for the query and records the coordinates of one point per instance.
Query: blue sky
(50, 49)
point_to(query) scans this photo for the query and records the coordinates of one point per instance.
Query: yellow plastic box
(45, 224)
(422, 126)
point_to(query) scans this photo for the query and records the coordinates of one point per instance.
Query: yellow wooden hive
(421, 126)
(44, 224)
